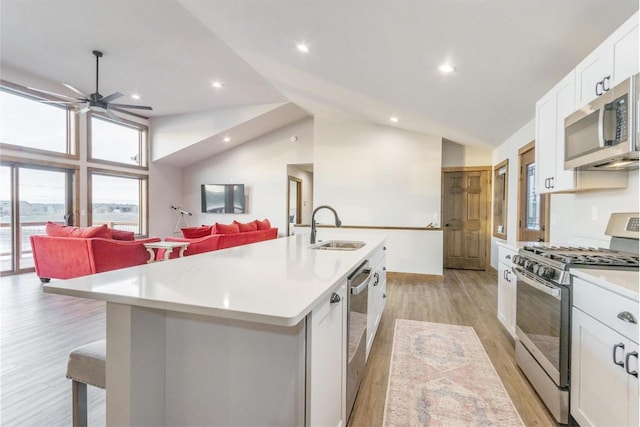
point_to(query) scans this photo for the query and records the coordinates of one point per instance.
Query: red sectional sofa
(221, 236)
(85, 251)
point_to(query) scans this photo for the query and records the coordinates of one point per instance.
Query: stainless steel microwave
(602, 135)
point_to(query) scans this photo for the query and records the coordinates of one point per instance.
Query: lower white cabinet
(377, 295)
(604, 358)
(507, 289)
(326, 362)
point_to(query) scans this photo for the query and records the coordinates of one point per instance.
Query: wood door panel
(465, 195)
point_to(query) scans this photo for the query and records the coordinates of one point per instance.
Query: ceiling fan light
(135, 96)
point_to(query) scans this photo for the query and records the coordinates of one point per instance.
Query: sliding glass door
(29, 197)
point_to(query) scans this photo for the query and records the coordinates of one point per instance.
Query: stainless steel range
(543, 306)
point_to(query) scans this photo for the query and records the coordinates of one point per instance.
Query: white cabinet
(326, 364)
(604, 357)
(551, 177)
(507, 289)
(551, 111)
(377, 295)
(612, 62)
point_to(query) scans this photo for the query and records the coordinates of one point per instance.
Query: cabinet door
(545, 142)
(634, 395)
(625, 51)
(326, 369)
(599, 387)
(565, 104)
(592, 70)
(506, 301)
(371, 314)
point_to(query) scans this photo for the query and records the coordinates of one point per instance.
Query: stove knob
(528, 265)
(547, 273)
(536, 268)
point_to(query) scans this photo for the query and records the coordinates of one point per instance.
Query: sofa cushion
(264, 224)
(226, 228)
(195, 232)
(57, 230)
(122, 235)
(245, 227)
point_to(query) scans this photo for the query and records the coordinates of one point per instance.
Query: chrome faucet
(313, 221)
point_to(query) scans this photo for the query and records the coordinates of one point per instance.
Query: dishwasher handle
(362, 286)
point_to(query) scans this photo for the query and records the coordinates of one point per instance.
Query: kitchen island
(251, 335)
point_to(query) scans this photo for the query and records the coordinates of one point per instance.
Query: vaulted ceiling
(371, 59)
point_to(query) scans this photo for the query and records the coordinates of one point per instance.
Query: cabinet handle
(605, 88)
(615, 350)
(377, 276)
(600, 83)
(551, 182)
(334, 298)
(508, 257)
(625, 316)
(626, 362)
(384, 295)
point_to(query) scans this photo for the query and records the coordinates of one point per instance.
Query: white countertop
(623, 282)
(275, 282)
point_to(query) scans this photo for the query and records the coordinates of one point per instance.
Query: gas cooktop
(572, 256)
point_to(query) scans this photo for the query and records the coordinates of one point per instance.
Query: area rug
(440, 375)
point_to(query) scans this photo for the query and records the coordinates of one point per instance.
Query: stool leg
(79, 391)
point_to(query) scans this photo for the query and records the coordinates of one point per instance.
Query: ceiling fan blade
(60, 102)
(137, 107)
(53, 93)
(108, 99)
(113, 116)
(76, 90)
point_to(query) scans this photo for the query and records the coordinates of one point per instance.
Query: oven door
(542, 323)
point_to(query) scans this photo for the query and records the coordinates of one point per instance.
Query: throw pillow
(196, 232)
(264, 224)
(122, 235)
(57, 230)
(249, 226)
(226, 229)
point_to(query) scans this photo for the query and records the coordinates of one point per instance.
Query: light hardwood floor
(463, 297)
(38, 330)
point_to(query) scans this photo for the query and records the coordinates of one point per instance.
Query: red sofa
(222, 236)
(84, 252)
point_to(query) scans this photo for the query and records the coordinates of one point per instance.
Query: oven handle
(549, 290)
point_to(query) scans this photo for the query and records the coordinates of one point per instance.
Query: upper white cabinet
(611, 63)
(550, 113)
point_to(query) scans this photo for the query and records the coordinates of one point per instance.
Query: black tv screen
(223, 198)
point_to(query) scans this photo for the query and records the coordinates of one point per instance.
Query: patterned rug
(440, 375)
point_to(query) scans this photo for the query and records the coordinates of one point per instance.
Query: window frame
(143, 211)
(143, 142)
(505, 199)
(72, 124)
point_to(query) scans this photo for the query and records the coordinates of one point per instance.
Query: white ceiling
(371, 59)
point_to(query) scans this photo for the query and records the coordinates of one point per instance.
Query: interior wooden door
(465, 219)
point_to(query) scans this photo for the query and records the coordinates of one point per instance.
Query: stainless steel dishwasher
(358, 284)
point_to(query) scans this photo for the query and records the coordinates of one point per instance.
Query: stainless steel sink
(339, 245)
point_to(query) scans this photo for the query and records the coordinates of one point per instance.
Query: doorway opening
(299, 195)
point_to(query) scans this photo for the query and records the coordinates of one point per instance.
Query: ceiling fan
(95, 101)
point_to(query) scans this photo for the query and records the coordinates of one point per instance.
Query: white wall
(261, 165)
(509, 150)
(581, 218)
(458, 155)
(376, 175)
(575, 218)
(381, 176)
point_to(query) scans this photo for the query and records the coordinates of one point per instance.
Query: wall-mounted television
(223, 198)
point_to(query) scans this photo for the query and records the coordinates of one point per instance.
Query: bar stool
(87, 365)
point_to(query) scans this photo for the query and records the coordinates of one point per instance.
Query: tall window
(119, 200)
(118, 142)
(19, 112)
(533, 208)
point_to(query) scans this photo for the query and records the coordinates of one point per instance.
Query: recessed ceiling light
(227, 139)
(302, 47)
(447, 68)
(135, 96)
(216, 84)
(394, 119)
